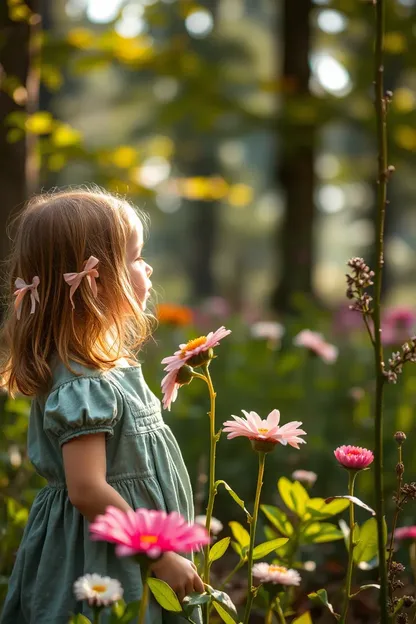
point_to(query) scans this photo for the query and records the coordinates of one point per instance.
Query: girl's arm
(85, 468)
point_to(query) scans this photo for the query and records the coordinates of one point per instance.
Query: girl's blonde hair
(56, 233)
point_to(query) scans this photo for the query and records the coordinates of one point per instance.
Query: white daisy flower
(266, 573)
(216, 525)
(98, 590)
(305, 476)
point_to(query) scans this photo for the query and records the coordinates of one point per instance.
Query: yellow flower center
(100, 589)
(263, 430)
(193, 344)
(149, 539)
(275, 568)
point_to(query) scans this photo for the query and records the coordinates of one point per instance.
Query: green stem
(280, 613)
(381, 113)
(269, 615)
(145, 597)
(231, 574)
(253, 526)
(352, 476)
(96, 618)
(211, 481)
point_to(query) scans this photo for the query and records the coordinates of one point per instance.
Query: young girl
(96, 434)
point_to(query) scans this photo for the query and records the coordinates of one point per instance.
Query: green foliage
(164, 595)
(219, 549)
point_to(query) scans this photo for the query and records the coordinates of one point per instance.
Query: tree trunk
(14, 62)
(296, 171)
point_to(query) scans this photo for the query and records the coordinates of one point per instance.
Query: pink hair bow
(74, 279)
(21, 289)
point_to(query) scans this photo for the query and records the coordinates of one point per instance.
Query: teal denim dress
(144, 465)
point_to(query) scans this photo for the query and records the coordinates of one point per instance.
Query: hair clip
(74, 279)
(21, 289)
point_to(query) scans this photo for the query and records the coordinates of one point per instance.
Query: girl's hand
(179, 573)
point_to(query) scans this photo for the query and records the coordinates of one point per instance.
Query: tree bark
(14, 63)
(294, 240)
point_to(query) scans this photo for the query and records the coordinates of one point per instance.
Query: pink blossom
(317, 344)
(147, 531)
(194, 347)
(398, 323)
(305, 476)
(354, 457)
(254, 428)
(170, 388)
(405, 533)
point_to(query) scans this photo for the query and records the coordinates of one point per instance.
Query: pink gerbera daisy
(254, 428)
(173, 381)
(408, 532)
(147, 532)
(194, 347)
(354, 457)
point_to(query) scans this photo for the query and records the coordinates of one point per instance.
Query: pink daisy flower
(254, 428)
(317, 344)
(305, 476)
(354, 457)
(194, 347)
(408, 532)
(280, 575)
(172, 382)
(148, 532)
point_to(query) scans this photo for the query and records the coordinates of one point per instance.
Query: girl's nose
(149, 270)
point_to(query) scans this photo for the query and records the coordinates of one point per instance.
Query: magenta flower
(254, 428)
(194, 347)
(354, 457)
(397, 324)
(317, 344)
(147, 532)
(405, 533)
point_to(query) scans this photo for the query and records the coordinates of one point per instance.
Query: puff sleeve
(82, 406)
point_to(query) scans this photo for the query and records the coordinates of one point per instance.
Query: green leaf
(319, 509)
(238, 550)
(164, 594)
(78, 618)
(364, 587)
(131, 611)
(262, 550)
(233, 495)
(278, 519)
(219, 549)
(294, 495)
(352, 499)
(320, 532)
(226, 617)
(366, 549)
(240, 534)
(195, 600)
(321, 597)
(305, 618)
(223, 599)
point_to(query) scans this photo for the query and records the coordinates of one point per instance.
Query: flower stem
(279, 612)
(253, 526)
(381, 114)
(395, 517)
(352, 475)
(231, 574)
(269, 615)
(145, 597)
(212, 456)
(96, 615)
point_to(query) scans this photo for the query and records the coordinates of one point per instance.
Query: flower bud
(408, 601)
(263, 446)
(400, 437)
(399, 469)
(202, 358)
(184, 375)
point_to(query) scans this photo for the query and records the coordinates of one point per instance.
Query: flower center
(100, 589)
(354, 452)
(193, 344)
(263, 430)
(275, 568)
(149, 539)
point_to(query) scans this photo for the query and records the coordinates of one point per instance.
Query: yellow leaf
(124, 157)
(394, 42)
(64, 136)
(406, 137)
(305, 618)
(130, 50)
(39, 123)
(80, 38)
(404, 100)
(240, 195)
